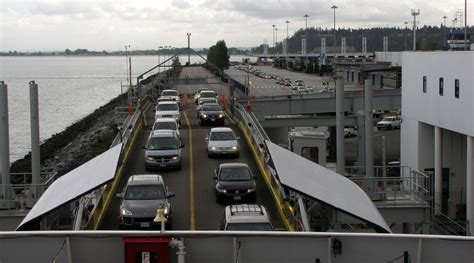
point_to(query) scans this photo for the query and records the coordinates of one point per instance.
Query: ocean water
(70, 88)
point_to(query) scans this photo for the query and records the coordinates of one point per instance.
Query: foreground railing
(215, 246)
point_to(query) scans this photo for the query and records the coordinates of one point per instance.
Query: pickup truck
(388, 123)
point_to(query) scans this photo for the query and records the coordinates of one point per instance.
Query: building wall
(430, 107)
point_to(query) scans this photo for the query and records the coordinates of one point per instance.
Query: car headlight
(250, 190)
(220, 189)
(149, 158)
(204, 115)
(221, 115)
(235, 148)
(125, 212)
(174, 158)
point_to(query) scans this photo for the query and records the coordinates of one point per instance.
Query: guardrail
(255, 136)
(89, 211)
(20, 196)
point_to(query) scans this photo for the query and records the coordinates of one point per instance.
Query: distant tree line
(399, 39)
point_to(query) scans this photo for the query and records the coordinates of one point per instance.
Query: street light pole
(126, 60)
(334, 44)
(406, 35)
(189, 48)
(287, 22)
(273, 35)
(444, 30)
(465, 24)
(414, 14)
(276, 38)
(306, 38)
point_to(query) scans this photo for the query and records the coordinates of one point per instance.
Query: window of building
(373, 79)
(424, 84)
(441, 86)
(456, 88)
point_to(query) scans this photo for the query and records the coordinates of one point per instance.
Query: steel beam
(4, 135)
(304, 121)
(35, 135)
(369, 142)
(340, 151)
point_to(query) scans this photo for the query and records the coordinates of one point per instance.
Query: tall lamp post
(444, 30)
(334, 44)
(276, 38)
(126, 60)
(286, 41)
(306, 38)
(406, 35)
(414, 13)
(273, 35)
(465, 24)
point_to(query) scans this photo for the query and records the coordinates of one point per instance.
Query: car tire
(389, 127)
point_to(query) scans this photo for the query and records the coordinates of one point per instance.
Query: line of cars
(144, 194)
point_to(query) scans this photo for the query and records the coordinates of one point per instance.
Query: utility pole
(306, 38)
(287, 22)
(126, 60)
(414, 13)
(334, 42)
(273, 34)
(465, 24)
(189, 48)
(406, 35)
(444, 30)
(276, 37)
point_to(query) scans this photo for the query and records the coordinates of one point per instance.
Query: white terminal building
(437, 132)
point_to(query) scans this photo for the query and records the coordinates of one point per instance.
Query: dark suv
(234, 181)
(211, 113)
(141, 198)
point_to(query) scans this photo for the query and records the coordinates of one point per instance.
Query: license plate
(145, 224)
(213, 119)
(237, 197)
(162, 165)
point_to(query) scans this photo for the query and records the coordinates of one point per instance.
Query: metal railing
(89, 203)
(15, 198)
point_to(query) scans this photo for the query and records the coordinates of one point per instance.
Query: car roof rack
(247, 208)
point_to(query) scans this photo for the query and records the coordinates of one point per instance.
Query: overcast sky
(109, 25)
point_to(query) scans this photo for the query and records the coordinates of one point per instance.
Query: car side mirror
(119, 195)
(144, 147)
(238, 138)
(214, 176)
(181, 146)
(170, 194)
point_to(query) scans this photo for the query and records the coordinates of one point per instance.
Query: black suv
(234, 181)
(211, 113)
(141, 198)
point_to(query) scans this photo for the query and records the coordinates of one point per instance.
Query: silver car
(222, 142)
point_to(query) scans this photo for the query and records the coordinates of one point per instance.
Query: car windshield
(145, 192)
(207, 107)
(162, 125)
(207, 94)
(163, 143)
(167, 107)
(222, 136)
(207, 100)
(249, 227)
(387, 119)
(169, 93)
(235, 174)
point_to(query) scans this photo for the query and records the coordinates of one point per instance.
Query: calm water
(69, 89)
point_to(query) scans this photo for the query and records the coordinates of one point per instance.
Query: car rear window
(145, 192)
(207, 94)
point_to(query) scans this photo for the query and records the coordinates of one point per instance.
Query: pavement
(194, 206)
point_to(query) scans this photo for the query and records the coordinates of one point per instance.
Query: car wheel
(389, 127)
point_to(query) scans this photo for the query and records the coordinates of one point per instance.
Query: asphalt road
(194, 206)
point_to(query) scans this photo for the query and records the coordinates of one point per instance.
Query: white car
(350, 132)
(173, 94)
(168, 109)
(197, 93)
(166, 124)
(391, 122)
(222, 142)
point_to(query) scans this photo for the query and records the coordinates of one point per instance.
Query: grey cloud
(182, 4)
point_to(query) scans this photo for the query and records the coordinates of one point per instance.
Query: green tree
(218, 55)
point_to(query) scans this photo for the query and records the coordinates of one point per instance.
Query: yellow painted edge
(266, 177)
(111, 190)
(192, 217)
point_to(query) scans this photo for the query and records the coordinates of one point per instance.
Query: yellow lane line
(113, 186)
(192, 218)
(266, 177)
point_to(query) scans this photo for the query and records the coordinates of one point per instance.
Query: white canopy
(76, 183)
(324, 185)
